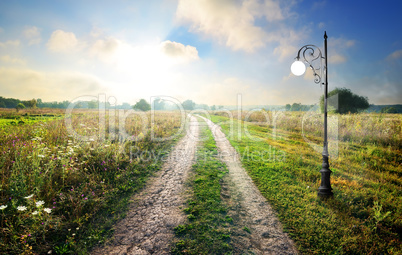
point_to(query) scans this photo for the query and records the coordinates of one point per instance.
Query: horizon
(207, 51)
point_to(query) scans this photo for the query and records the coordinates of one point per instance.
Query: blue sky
(208, 51)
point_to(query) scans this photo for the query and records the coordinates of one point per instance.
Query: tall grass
(365, 214)
(58, 191)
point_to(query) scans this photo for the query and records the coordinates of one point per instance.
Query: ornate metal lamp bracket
(311, 55)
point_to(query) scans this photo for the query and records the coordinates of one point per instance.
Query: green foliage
(343, 100)
(142, 105)
(207, 230)
(188, 105)
(389, 109)
(363, 217)
(20, 106)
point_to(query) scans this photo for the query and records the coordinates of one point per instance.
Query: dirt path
(155, 211)
(248, 207)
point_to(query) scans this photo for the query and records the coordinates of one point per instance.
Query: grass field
(59, 189)
(365, 214)
(62, 194)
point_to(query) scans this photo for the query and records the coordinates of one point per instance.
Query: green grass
(365, 214)
(207, 231)
(85, 184)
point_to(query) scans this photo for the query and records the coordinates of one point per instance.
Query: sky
(208, 51)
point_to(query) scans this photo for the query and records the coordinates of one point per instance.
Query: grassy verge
(63, 194)
(207, 231)
(365, 214)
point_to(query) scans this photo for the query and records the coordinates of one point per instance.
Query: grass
(63, 194)
(207, 231)
(365, 214)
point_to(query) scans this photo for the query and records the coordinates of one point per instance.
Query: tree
(158, 104)
(389, 109)
(142, 105)
(287, 107)
(213, 108)
(296, 107)
(188, 105)
(347, 101)
(20, 106)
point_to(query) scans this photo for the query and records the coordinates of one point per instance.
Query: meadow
(281, 152)
(61, 189)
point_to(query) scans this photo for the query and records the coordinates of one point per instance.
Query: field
(364, 216)
(62, 189)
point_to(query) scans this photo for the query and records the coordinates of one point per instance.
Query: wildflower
(41, 156)
(35, 213)
(21, 208)
(48, 210)
(40, 203)
(28, 197)
(2, 207)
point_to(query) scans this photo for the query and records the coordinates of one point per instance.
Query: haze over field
(207, 51)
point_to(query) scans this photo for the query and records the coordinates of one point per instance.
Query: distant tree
(188, 105)
(20, 106)
(287, 107)
(296, 107)
(347, 101)
(202, 106)
(142, 105)
(389, 109)
(158, 104)
(213, 108)
(2, 104)
(31, 103)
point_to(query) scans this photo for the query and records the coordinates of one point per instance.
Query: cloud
(9, 60)
(336, 59)
(395, 55)
(32, 34)
(231, 23)
(14, 43)
(61, 41)
(179, 51)
(104, 49)
(49, 86)
(337, 49)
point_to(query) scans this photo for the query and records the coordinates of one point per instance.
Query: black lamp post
(310, 54)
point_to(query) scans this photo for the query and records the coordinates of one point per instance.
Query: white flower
(2, 207)
(40, 203)
(28, 197)
(48, 210)
(41, 156)
(35, 213)
(21, 208)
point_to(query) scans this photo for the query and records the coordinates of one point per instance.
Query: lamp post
(309, 54)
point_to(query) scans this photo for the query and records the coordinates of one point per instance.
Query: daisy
(2, 207)
(40, 203)
(28, 197)
(21, 208)
(48, 210)
(35, 213)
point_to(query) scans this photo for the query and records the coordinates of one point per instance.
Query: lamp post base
(325, 189)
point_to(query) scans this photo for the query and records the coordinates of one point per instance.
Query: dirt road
(248, 207)
(155, 211)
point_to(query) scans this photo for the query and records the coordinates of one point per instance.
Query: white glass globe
(298, 68)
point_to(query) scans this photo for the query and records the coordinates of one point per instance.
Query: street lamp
(309, 54)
